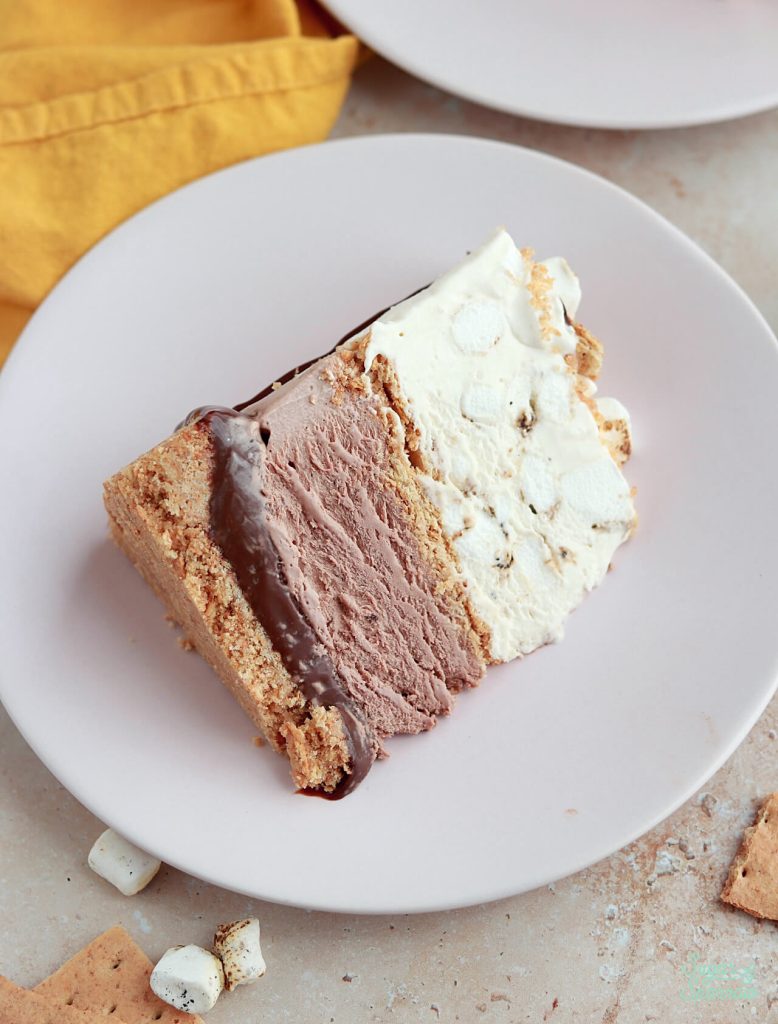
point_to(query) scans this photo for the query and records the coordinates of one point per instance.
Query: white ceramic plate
(598, 63)
(554, 762)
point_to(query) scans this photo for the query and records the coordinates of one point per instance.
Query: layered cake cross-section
(356, 545)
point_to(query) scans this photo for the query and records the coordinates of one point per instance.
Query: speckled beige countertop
(608, 944)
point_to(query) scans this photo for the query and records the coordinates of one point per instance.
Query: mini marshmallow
(554, 397)
(189, 978)
(121, 863)
(238, 946)
(483, 540)
(519, 394)
(597, 492)
(477, 326)
(482, 403)
(532, 562)
(536, 479)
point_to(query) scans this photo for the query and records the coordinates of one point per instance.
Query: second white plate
(599, 63)
(555, 761)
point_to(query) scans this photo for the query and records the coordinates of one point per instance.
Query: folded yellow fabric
(105, 105)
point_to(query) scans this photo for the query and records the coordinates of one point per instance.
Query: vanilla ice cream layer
(511, 453)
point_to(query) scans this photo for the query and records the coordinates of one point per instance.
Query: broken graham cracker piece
(21, 1006)
(111, 976)
(752, 884)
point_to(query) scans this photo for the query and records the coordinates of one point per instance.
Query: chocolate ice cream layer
(351, 558)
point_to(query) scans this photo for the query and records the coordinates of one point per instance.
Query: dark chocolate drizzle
(290, 374)
(239, 527)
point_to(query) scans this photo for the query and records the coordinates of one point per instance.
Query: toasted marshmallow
(497, 382)
(121, 863)
(189, 978)
(237, 945)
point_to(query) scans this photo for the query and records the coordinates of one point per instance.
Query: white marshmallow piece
(189, 978)
(597, 492)
(238, 946)
(538, 485)
(122, 864)
(481, 403)
(477, 326)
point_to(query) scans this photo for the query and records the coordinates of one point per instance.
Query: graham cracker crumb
(586, 363)
(540, 286)
(589, 352)
(617, 437)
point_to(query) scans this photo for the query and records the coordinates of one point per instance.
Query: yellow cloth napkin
(106, 105)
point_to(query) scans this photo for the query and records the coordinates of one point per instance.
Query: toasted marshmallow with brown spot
(237, 945)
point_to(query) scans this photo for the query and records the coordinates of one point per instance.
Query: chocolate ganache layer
(239, 527)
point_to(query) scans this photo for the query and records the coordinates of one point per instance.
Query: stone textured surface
(607, 945)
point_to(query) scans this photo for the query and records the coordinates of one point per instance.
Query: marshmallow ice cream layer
(507, 438)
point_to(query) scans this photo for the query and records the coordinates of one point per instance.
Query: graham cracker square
(110, 976)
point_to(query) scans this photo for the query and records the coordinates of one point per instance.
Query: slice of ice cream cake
(355, 546)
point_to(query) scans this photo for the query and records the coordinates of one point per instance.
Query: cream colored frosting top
(533, 502)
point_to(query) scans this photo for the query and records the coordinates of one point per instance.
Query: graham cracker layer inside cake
(404, 458)
(158, 509)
